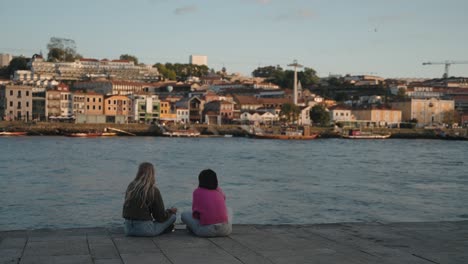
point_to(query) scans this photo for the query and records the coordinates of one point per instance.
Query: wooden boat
(84, 135)
(358, 134)
(13, 134)
(97, 134)
(286, 136)
(182, 133)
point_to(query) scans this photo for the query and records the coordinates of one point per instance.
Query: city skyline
(386, 38)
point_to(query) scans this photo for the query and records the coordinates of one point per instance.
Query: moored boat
(84, 135)
(19, 133)
(182, 133)
(358, 134)
(287, 134)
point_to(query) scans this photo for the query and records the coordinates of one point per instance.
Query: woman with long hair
(209, 216)
(143, 208)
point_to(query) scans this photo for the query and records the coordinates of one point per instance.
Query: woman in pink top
(209, 216)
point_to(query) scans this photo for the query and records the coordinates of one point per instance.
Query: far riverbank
(59, 129)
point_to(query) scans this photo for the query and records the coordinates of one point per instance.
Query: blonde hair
(143, 184)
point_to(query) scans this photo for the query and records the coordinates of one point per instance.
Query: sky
(390, 38)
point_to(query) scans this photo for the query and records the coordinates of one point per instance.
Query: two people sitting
(145, 214)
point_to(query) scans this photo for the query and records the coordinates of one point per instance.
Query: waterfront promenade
(431, 242)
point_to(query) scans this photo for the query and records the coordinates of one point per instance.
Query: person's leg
(191, 223)
(138, 228)
(159, 228)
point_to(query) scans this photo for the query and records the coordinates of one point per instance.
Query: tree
(341, 97)
(450, 117)
(320, 115)
(129, 58)
(290, 112)
(285, 79)
(401, 94)
(62, 49)
(182, 71)
(17, 63)
(165, 72)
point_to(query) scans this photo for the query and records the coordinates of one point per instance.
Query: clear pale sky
(390, 38)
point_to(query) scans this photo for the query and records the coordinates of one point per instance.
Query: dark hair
(208, 180)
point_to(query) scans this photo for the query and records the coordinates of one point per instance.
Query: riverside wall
(57, 128)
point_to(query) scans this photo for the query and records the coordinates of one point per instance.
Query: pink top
(209, 206)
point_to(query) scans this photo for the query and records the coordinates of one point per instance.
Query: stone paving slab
(418, 243)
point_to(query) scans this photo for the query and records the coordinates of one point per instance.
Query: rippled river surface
(58, 182)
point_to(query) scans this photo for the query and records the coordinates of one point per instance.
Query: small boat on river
(358, 134)
(104, 134)
(287, 134)
(182, 133)
(13, 134)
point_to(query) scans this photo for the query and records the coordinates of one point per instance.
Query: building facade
(198, 60)
(426, 112)
(16, 103)
(146, 108)
(5, 59)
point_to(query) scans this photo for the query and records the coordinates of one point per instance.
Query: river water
(59, 182)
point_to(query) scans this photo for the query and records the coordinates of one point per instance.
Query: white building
(340, 113)
(304, 117)
(146, 107)
(199, 60)
(259, 117)
(183, 115)
(5, 59)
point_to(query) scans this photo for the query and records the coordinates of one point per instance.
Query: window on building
(94, 107)
(19, 105)
(19, 93)
(94, 100)
(109, 102)
(99, 100)
(11, 103)
(99, 108)
(27, 104)
(27, 93)
(11, 92)
(87, 107)
(87, 99)
(108, 108)
(115, 102)
(124, 102)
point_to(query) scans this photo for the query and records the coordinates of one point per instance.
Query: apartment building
(16, 102)
(146, 108)
(378, 116)
(426, 112)
(117, 108)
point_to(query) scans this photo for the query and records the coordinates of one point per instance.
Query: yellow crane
(447, 65)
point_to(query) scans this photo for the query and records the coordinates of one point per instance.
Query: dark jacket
(152, 210)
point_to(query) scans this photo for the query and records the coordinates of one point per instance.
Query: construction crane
(447, 65)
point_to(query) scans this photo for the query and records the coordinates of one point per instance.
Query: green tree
(451, 117)
(320, 115)
(17, 63)
(182, 71)
(129, 58)
(284, 78)
(401, 94)
(290, 112)
(341, 97)
(62, 49)
(165, 72)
